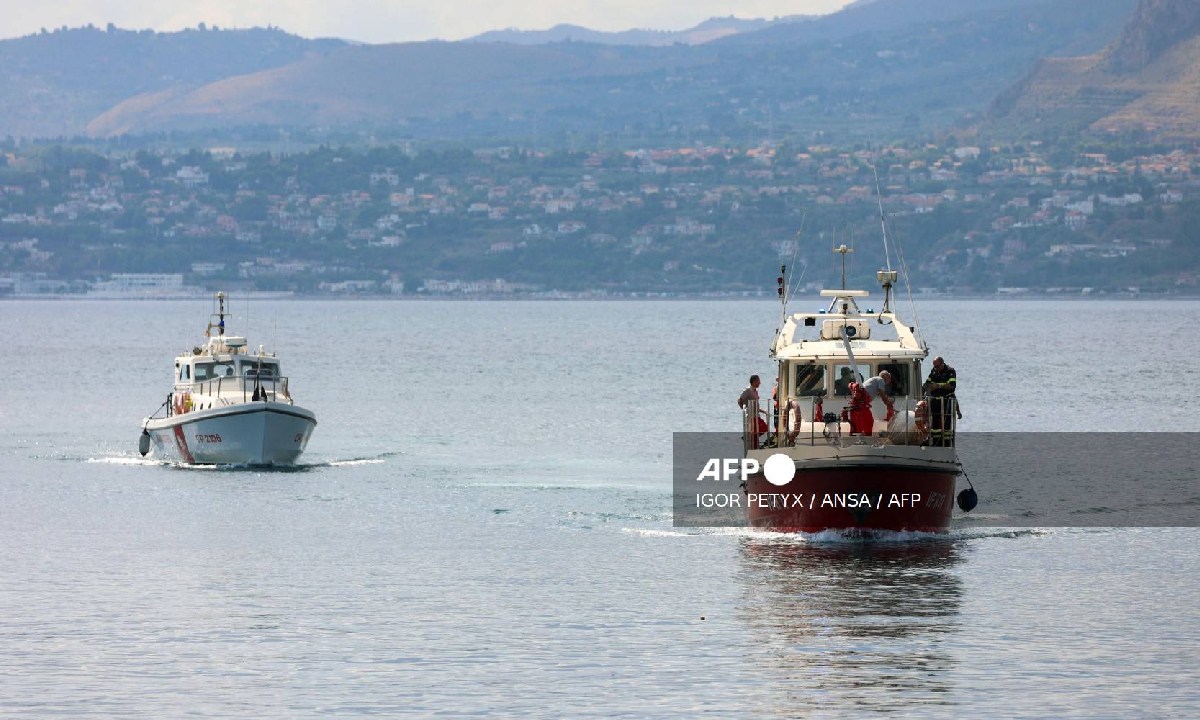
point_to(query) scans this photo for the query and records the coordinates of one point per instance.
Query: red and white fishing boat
(228, 406)
(828, 463)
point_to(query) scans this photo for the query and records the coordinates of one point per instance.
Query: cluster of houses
(505, 201)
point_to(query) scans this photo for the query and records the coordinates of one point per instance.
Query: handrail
(750, 432)
(933, 424)
(273, 389)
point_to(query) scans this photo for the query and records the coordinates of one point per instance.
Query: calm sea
(482, 526)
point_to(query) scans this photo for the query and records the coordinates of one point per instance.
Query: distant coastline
(1031, 295)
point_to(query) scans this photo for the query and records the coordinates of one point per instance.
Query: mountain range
(1146, 83)
(55, 83)
(884, 67)
(707, 31)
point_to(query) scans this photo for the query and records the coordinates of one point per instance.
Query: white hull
(253, 433)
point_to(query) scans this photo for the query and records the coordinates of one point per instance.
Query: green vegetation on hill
(487, 168)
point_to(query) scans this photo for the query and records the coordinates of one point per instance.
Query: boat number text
(208, 438)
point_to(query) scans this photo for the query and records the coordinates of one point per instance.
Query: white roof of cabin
(791, 341)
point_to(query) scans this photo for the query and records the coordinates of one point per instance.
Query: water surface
(482, 526)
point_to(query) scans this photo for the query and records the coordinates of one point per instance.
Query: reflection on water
(852, 625)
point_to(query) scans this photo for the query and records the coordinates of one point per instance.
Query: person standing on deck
(877, 387)
(943, 406)
(748, 401)
(862, 420)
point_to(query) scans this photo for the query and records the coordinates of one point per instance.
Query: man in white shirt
(877, 387)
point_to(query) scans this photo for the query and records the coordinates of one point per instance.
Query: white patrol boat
(228, 406)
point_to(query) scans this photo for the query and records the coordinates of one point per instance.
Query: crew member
(858, 411)
(862, 420)
(877, 387)
(748, 401)
(841, 386)
(943, 406)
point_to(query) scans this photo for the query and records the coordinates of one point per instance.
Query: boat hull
(256, 433)
(859, 493)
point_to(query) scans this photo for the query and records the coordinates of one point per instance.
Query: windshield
(262, 370)
(213, 370)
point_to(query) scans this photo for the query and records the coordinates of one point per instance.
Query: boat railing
(231, 390)
(754, 427)
(930, 421)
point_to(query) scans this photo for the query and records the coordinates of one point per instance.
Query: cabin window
(212, 371)
(810, 380)
(901, 381)
(263, 370)
(187, 373)
(843, 376)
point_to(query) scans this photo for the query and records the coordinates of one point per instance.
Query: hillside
(706, 31)
(881, 68)
(52, 83)
(387, 84)
(920, 64)
(1146, 82)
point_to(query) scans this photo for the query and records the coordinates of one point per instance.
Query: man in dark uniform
(943, 406)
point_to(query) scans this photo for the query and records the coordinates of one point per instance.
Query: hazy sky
(380, 21)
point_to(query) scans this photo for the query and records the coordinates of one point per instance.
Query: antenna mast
(887, 278)
(781, 288)
(843, 250)
(220, 315)
(882, 218)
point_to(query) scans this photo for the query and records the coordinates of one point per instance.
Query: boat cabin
(225, 357)
(203, 369)
(820, 353)
(222, 372)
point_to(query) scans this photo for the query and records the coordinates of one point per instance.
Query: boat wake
(842, 537)
(644, 532)
(124, 460)
(132, 460)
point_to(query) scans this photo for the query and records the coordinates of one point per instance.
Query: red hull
(855, 499)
